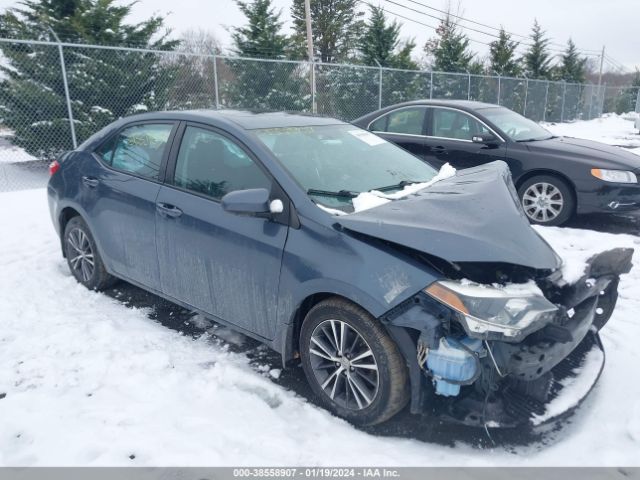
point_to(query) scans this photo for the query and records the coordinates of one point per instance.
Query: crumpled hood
(471, 217)
(593, 153)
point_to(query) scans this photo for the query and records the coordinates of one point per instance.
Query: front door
(449, 134)
(119, 193)
(224, 264)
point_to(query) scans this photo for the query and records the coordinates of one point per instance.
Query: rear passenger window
(405, 120)
(213, 165)
(137, 149)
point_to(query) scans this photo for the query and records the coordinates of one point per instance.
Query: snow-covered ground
(87, 380)
(611, 128)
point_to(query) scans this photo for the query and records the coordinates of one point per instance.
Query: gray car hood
(472, 217)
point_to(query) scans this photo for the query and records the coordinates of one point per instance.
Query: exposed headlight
(615, 176)
(511, 311)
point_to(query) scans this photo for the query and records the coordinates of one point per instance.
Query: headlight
(511, 311)
(615, 176)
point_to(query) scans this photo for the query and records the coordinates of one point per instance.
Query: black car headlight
(614, 176)
(484, 309)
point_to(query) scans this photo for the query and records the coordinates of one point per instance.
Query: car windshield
(334, 163)
(515, 126)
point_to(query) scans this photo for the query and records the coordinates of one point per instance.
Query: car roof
(244, 119)
(464, 104)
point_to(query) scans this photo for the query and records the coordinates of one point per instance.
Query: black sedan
(556, 177)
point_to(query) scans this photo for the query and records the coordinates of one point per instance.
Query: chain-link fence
(54, 95)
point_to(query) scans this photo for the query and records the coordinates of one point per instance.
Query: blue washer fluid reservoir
(452, 362)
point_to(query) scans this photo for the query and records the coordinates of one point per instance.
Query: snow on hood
(375, 198)
(472, 216)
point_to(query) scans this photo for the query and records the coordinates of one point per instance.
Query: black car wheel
(352, 364)
(83, 258)
(547, 200)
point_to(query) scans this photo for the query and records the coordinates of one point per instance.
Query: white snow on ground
(89, 381)
(611, 128)
(9, 153)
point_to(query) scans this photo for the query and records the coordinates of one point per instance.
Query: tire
(369, 405)
(557, 197)
(80, 250)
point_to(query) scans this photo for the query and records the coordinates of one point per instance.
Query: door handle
(439, 149)
(167, 210)
(90, 182)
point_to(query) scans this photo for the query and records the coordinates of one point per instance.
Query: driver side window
(214, 165)
(455, 124)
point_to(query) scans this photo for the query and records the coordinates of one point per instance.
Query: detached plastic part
(454, 363)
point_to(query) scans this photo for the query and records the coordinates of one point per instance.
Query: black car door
(449, 139)
(405, 127)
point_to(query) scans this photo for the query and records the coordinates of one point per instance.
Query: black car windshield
(334, 163)
(515, 126)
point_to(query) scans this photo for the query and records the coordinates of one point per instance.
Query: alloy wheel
(344, 364)
(80, 254)
(542, 202)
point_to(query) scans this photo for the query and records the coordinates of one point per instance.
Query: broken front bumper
(536, 380)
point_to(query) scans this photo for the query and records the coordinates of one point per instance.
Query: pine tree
(336, 28)
(537, 60)
(450, 49)
(502, 58)
(256, 84)
(572, 69)
(104, 84)
(262, 36)
(380, 43)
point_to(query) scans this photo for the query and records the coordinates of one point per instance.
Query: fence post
(379, 84)
(314, 106)
(469, 87)
(526, 95)
(215, 79)
(564, 93)
(431, 86)
(63, 67)
(546, 99)
(638, 101)
(499, 87)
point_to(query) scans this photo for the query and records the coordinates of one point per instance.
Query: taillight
(54, 167)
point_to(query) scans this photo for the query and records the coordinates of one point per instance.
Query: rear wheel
(83, 258)
(352, 364)
(547, 200)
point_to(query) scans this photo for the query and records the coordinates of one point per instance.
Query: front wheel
(352, 364)
(547, 200)
(83, 258)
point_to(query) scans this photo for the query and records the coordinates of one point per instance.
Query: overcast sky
(591, 23)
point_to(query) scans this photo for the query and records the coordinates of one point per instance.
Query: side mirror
(488, 139)
(254, 201)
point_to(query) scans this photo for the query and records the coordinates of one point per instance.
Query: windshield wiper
(535, 139)
(398, 186)
(328, 193)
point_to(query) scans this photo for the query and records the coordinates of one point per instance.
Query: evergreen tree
(572, 69)
(103, 84)
(450, 48)
(502, 58)
(257, 84)
(336, 28)
(537, 60)
(380, 43)
(262, 36)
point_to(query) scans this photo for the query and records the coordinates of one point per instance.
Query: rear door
(224, 264)
(405, 127)
(119, 195)
(449, 134)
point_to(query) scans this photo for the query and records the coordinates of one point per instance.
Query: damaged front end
(500, 354)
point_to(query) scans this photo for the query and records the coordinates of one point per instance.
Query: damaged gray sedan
(393, 284)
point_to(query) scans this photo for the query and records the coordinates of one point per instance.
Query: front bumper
(608, 198)
(541, 378)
